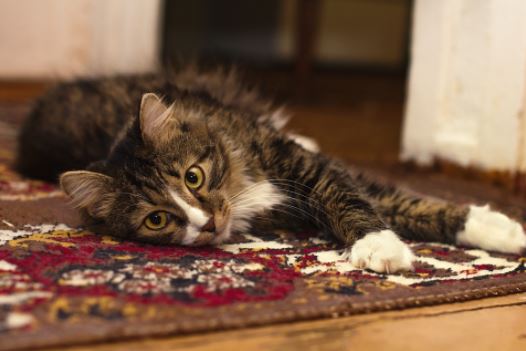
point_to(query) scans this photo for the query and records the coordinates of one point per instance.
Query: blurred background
(340, 65)
(384, 84)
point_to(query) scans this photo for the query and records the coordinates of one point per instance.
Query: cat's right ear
(90, 191)
(154, 116)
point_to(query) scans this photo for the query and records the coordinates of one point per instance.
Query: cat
(192, 157)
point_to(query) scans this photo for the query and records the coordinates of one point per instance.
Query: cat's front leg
(371, 244)
(324, 192)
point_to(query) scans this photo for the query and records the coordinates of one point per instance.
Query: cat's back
(75, 123)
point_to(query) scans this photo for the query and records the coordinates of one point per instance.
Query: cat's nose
(210, 226)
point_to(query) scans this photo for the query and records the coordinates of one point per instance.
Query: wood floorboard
(488, 324)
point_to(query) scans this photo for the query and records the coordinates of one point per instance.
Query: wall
(66, 38)
(466, 89)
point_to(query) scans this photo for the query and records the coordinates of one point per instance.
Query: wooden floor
(356, 117)
(489, 324)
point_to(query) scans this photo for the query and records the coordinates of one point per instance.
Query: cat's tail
(428, 219)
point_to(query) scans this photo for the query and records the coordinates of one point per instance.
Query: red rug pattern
(60, 284)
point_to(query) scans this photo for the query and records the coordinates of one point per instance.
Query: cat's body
(217, 161)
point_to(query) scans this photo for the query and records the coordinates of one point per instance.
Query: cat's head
(170, 178)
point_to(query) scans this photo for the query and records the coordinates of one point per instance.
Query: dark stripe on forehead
(172, 172)
(219, 178)
(220, 165)
(160, 175)
(143, 182)
(205, 154)
(144, 174)
(138, 191)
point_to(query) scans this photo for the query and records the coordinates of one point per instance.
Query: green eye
(194, 178)
(156, 220)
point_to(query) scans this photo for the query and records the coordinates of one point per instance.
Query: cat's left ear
(154, 116)
(90, 191)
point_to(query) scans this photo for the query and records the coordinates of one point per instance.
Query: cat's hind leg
(422, 219)
(491, 230)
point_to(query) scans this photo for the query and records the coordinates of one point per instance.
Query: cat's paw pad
(381, 252)
(491, 230)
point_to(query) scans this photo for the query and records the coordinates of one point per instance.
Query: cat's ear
(154, 116)
(89, 191)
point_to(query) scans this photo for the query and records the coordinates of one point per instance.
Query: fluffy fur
(492, 230)
(128, 155)
(381, 251)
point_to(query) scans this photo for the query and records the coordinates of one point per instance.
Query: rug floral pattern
(60, 284)
(56, 275)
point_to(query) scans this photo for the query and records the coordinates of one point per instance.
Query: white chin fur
(493, 231)
(255, 198)
(381, 252)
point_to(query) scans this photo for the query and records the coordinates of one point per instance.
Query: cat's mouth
(223, 225)
(216, 231)
(223, 234)
(215, 238)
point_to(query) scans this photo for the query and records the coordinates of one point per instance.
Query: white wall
(466, 90)
(67, 38)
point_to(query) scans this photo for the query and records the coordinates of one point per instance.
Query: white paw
(381, 252)
(491, 230)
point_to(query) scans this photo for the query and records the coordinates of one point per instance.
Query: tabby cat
(190, 158)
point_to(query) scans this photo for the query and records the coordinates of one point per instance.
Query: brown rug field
(62, 285)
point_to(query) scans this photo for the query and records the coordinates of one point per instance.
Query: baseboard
(515, 182)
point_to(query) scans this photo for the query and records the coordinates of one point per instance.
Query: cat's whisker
(273, 197)
(262, 216)
(312, 205)
(284, 207)
(289, 181)
(266, 218)
(247, 189)
(278, 181)
(289, 209)
(138, 196)
(305, 212)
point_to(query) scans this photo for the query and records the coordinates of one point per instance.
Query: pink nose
(210, 226)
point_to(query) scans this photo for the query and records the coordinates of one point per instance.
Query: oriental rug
(63, 285)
